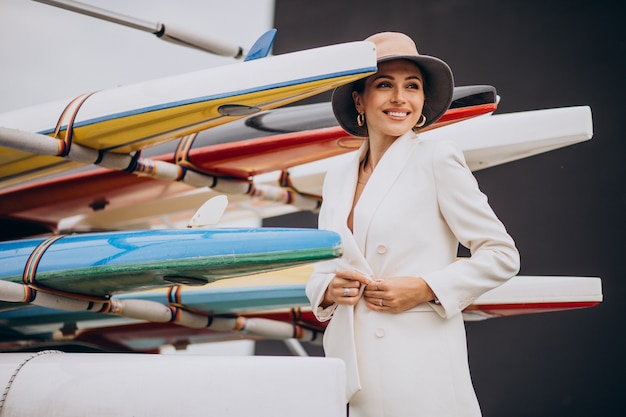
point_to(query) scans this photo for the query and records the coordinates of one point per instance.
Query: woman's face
(393, 98)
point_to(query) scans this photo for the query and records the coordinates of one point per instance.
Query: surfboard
(301, 134)
(125, 199)
(520, 295)
(272, 140)
(279, 298)
(101, 264)
(130, 118)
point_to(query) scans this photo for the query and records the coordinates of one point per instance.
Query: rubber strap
(30, 269)
(175, 302)
(30, 274)
(181, 155)
(285, 181)
(132, 165)
(72, 108)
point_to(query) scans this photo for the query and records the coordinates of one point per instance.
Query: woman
(402, 206)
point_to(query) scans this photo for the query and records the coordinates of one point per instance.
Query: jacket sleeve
(494, 257)
(323, 272)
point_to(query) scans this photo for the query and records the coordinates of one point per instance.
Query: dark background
(565, 208)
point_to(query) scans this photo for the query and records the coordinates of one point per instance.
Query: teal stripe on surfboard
(100, 264)
(218, 301)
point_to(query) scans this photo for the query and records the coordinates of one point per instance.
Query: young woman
(402, 206)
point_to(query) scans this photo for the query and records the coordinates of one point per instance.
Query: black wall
(564, 208)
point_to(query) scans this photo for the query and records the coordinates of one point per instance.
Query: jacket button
(380, 332)
(381, 248)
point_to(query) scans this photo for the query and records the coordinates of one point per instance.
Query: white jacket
(419, 203)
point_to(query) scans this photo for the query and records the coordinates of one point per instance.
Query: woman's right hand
(345, 288)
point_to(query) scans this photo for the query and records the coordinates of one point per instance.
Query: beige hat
(438, 81)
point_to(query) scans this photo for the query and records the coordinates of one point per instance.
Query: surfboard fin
(209, 213)
(262, 46)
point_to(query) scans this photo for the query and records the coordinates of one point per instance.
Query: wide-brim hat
(438, 82)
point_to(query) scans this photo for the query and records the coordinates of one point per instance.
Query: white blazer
(419, 203)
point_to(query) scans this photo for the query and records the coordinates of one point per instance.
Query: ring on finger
(381, 303)
(346, 292)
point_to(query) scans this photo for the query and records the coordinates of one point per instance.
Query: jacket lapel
(346, 186)
(385, 174)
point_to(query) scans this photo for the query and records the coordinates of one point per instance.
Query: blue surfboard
(102, 264)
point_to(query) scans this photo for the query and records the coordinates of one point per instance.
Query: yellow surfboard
(128, 119)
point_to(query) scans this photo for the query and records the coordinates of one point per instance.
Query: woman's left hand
(397, 294)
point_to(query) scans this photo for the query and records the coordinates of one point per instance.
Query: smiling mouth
(397, 114)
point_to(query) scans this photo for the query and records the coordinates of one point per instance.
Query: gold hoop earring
(360, 119)
(422, 122)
